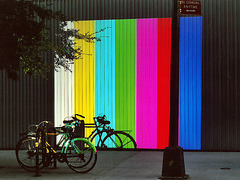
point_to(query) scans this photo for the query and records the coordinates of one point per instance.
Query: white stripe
(64, 91)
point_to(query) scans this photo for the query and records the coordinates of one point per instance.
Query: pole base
(173, 164)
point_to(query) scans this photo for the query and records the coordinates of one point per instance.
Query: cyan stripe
(105, 69)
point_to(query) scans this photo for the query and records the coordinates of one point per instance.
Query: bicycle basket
(79, 130)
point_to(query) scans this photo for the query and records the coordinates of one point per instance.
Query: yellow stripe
(84, 74)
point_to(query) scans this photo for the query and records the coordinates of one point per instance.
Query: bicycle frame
(66, 141)
(98, 131)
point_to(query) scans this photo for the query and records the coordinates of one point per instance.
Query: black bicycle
(105, 137)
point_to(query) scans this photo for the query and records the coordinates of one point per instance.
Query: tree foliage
(25, 37)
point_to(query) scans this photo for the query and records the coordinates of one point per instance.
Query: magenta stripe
(147, 32)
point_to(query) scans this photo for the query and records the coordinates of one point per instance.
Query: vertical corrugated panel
(163, 82)
(190, 82)
(147, 53)
(64, 95)
(64, 91)
(84, 78)
(221, 82)
(125, 75)
(23, 102)
(105, 69)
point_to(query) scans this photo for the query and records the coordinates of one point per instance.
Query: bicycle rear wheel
(119, 140)
(26, 153)
(81, 155)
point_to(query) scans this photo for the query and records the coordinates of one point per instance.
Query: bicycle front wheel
(119, 140)
(26, 153)
(81, 155)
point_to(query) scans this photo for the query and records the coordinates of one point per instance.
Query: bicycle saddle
(102, 121)
(68, 121)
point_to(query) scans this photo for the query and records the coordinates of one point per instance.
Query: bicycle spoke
(113, 141)
(126, 143)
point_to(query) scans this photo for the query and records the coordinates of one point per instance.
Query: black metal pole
(173, 160)
(174, 81)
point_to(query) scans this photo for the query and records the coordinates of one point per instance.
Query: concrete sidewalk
(139, 165)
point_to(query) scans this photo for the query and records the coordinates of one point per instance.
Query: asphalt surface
(131, 165)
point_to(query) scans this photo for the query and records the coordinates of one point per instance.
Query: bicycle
(79, 153)
(106, 137)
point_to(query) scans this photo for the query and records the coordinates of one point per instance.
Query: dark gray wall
(31, 100)
(221, 75)
(23, 102)
(114, 9)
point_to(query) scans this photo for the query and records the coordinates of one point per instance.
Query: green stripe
(126, 75)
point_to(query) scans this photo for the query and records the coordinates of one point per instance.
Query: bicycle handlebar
(79, 115)
(100, 117)
(43, 123)
(102, 120)
(74, 120)
(47, 122)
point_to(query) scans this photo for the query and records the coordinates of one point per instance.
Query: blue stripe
(190, 82)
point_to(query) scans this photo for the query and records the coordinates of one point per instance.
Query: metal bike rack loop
(40, 133)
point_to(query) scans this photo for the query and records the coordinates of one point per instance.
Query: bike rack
(41, 136)
(40, 133)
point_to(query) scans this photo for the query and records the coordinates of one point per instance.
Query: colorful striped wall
(126, 76)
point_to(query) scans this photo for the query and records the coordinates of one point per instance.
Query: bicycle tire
(127, 141)
(81, 155)
(26, 153)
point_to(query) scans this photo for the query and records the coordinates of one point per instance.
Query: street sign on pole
(191, 7)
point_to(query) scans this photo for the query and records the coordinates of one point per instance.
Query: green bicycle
(79, 153)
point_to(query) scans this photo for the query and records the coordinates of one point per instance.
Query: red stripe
(163, 93)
